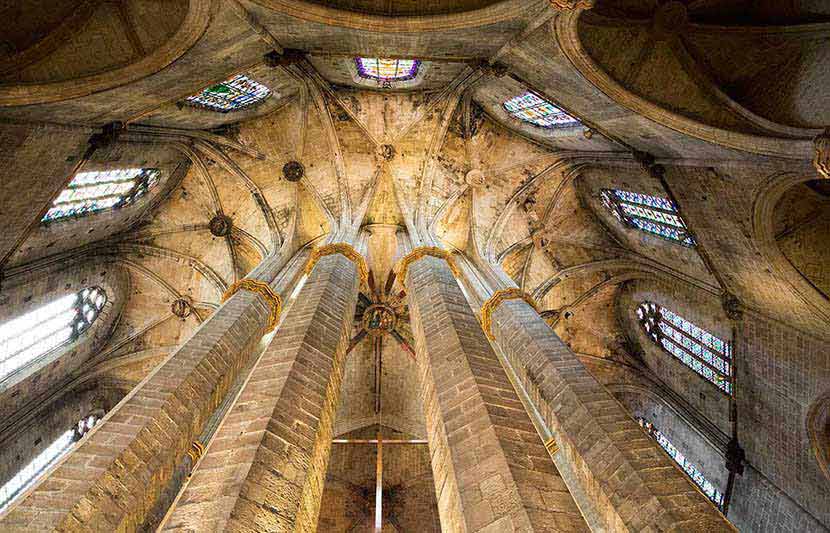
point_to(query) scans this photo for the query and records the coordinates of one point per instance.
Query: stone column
(265, 468)
(625, 473)
(492, 472)
(110, 482)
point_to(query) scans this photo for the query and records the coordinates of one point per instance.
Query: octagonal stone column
(628, 477)
(492, 472)
(265, 468)
(111, 481)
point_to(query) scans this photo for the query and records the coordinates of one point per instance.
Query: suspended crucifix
(380, 314)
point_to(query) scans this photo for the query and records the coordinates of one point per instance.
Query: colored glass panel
(387, 70)
(531, 108)
(651, 214)
(28, 337)
(89, 192)
(693, 472)
(234, 94)
(698, 349)
(30, 473)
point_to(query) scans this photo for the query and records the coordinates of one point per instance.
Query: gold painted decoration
(420, 253)
(552, 446)
(346, 250)
(822, 155)
(266, 292)
(196, 451)
(495, 301)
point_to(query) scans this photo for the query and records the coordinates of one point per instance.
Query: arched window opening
(651, 214)
(30, 473)
(697, 476)
(387, 71)
(533, 109)
(28, 337)
(696, 348)
(234, 94)
(90, 192)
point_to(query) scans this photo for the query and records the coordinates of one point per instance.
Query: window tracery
(533, 109)
(234, 94)
(697, 476)
(27, 337)
(386, 71)
(90, 192)
(696, 348)
(30, 473)
(651, 214)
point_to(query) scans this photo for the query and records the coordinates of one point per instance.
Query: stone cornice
(496, 300)
(266, 292)
(420, 253)
(346, 250)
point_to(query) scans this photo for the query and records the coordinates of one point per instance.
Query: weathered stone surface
(631, 480)
(264, 470)
(491, 470)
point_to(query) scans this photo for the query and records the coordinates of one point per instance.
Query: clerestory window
(697, 476)
(706, 354)
(90, 192)
(34, 334)
(234, 94)
(386, 71)
(651, 214)
(533, 109)
(30, 473)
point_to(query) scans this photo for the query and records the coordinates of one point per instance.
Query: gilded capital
(266, 292)
(495, 301)
(420, 253)
(573, 4)
(347, 251)
(822, 154)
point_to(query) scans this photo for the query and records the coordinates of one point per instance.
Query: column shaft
(628, 476)
(492, 472)
(265, 468)
(111, 481)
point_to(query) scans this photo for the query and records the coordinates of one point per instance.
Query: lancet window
(706, 354)
(387, 71)
(34, 334)
(532, 108)
(90, 192)
(234, 94)
(697, 476)
(651, 214)
(30, 473)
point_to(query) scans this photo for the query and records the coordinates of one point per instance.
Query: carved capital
(495, 301)
(346, 250)
(822, 154)
(420, 253)
(266, 292)
(573, 4)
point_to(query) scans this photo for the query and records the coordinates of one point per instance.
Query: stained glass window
(234, 94)
(89, 192)
(697, 476)
(698, 349)
(27, 337)
(30, 473)
(532, 108)
(386, 71)
(650, 214)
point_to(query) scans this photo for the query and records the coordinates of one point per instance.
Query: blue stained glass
(234, 94)
(647, 213)
(530, 107)
(90, 192)
(697, 348)
(693, 472)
